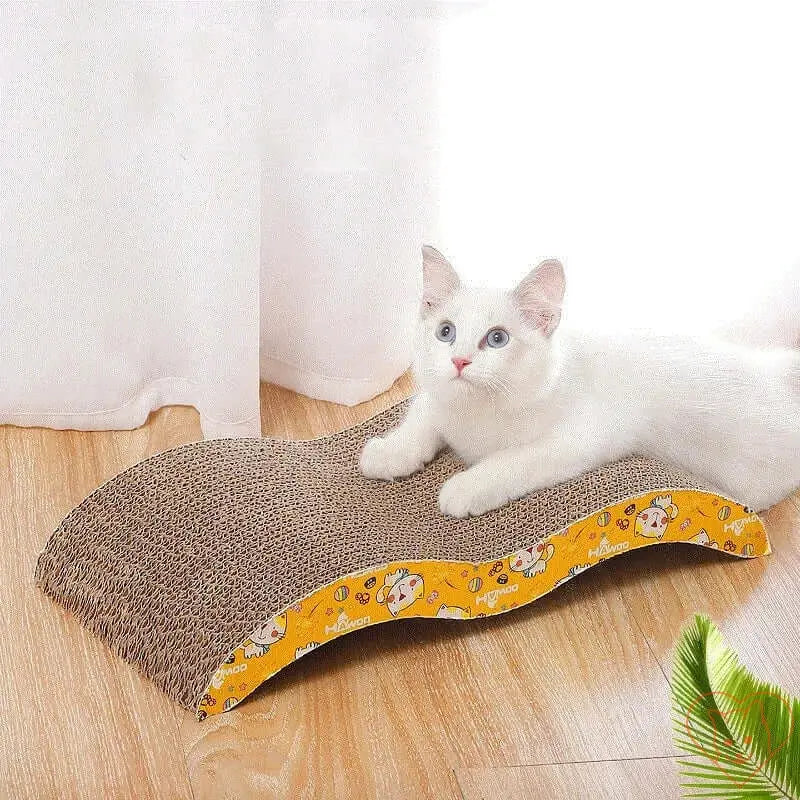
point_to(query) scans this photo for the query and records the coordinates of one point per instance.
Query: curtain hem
(134, 413)
(346, 391)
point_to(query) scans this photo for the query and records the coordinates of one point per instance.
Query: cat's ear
(439, 279)
(540, 294)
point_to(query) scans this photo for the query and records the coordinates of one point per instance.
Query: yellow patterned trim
(462, 590)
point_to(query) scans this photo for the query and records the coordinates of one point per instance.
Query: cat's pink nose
(460, 363)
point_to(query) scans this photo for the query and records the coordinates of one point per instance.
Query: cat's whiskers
(498, 385)
(503, 385)
(493, 403)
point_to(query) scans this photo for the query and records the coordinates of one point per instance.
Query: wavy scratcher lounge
(214, 565)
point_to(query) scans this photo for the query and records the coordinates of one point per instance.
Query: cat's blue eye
(497, 337)
(446, 332)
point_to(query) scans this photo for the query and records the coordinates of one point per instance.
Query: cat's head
(400, 589)
(526, 558)
(485, 340)
(270, 633)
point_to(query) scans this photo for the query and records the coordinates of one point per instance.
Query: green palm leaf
(744, 733)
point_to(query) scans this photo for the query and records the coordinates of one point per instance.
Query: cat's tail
(774, 319)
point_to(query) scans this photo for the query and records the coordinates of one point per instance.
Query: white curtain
(347, 192)
(172, 172)
(130, 214)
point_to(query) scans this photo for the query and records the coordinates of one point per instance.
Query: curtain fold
(347, 193)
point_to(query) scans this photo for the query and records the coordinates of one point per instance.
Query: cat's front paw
(384, 460)
(467, 494)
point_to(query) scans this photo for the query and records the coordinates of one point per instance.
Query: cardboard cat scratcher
(214, 565)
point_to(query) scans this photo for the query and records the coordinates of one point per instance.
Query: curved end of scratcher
(459, 590)
(212, 566)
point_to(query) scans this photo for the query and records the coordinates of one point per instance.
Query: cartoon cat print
(400, 589)
(531, 561)
(573, 571)
(453, 612)
(652, 521)
(261, 638)
(301, 651)
(704, 539)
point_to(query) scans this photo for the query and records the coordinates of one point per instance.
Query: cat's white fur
(554, 403)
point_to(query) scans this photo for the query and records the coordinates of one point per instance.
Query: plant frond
(746, 731)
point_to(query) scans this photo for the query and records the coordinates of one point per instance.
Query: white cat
(526, 404)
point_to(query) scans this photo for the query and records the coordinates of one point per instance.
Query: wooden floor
(567, 698)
